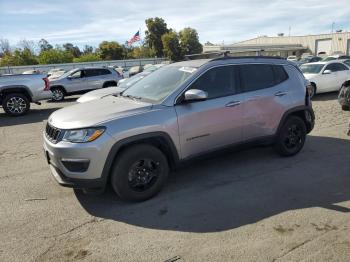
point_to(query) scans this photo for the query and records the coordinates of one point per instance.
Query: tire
(313, 91)
(16, 104)
(109, 84)
(131, 172)
(58, 94)
(291, 137)
(345, 108)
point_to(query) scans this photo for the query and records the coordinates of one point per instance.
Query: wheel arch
(59, 86)
(304, 112)
(161, 140)
(16, 89)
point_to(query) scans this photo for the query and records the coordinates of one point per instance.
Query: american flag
(135, 38)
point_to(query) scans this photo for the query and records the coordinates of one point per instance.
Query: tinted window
(335, 67)
(255, 77)
(217, 82)
(280, 74)
(104, 72)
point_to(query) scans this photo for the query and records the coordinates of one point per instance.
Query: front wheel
(291, 137)
(16, 104)
(139, 173)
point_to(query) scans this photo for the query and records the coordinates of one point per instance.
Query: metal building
(322, 44)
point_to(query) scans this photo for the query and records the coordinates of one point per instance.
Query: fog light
(76, 165)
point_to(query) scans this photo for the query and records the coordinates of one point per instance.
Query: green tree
(19, 57)
(55, 56)
(44, 45)
(88, 49)
(171, 44)
(156, 28)
(110, 50)
(89, 57)
(189, 41)
(74, 50)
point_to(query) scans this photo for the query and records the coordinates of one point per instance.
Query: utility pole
(333, 24)
(290, 29)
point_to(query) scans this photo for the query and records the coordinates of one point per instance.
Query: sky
(219, 21)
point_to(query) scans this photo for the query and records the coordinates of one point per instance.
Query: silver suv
(179, 112)
(79, 81)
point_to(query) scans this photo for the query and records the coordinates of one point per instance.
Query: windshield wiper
(132, 97)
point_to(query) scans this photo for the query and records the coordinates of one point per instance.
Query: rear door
(96, 77)
(215, 122)
(266, 96)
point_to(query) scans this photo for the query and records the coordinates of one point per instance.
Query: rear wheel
(139, 172)
(291, 137)
(57, 94)
(345, 108)
(313, 90)
(16, 104)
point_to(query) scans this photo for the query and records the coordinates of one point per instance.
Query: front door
(76, 81)
(215, 122)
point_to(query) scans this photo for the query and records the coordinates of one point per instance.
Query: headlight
(83, 135)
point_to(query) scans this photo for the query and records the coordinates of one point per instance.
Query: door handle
(233, 103)
(281, 93)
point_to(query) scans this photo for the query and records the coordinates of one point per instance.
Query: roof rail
(226, 55)
(248, 57)
(206, 55)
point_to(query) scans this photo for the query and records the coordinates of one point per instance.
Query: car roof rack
(206, 55)
(226, 55)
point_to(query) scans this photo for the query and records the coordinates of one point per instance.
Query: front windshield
(311, 69)
(130, 81)
(158, 85)
(347, 62)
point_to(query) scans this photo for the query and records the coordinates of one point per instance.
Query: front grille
(52, 133)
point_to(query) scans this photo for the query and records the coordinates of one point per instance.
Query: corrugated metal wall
(339, 41)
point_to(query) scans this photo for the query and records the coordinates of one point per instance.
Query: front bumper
(78, 165)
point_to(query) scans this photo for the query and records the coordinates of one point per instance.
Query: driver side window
(217, 82)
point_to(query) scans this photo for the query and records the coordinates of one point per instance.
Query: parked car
(18, 91)
(134, 70)
(335, 57)
(326, 76)
(79, 81)
(31, 72)
(344, 96)
(179, 112)
(55, 73)
(122, 85)
(292, 58)
(309, 59)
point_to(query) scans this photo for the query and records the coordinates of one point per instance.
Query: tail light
(47, 84)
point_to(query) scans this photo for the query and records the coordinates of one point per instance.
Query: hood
(96, 112)
(98, 94)
(309, 76)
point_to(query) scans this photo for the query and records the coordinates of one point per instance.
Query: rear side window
(104, 72)
(218, 82)
(257, 76)
(280, 74)
(96, 72)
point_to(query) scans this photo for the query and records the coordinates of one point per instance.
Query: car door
(344, 74)
(332, 81)
(266, 96)
(94, 78)
(75, 81)
(215, 122)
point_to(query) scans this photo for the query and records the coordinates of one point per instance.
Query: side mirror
(327, 72)
(69, 77)
(195, 95)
